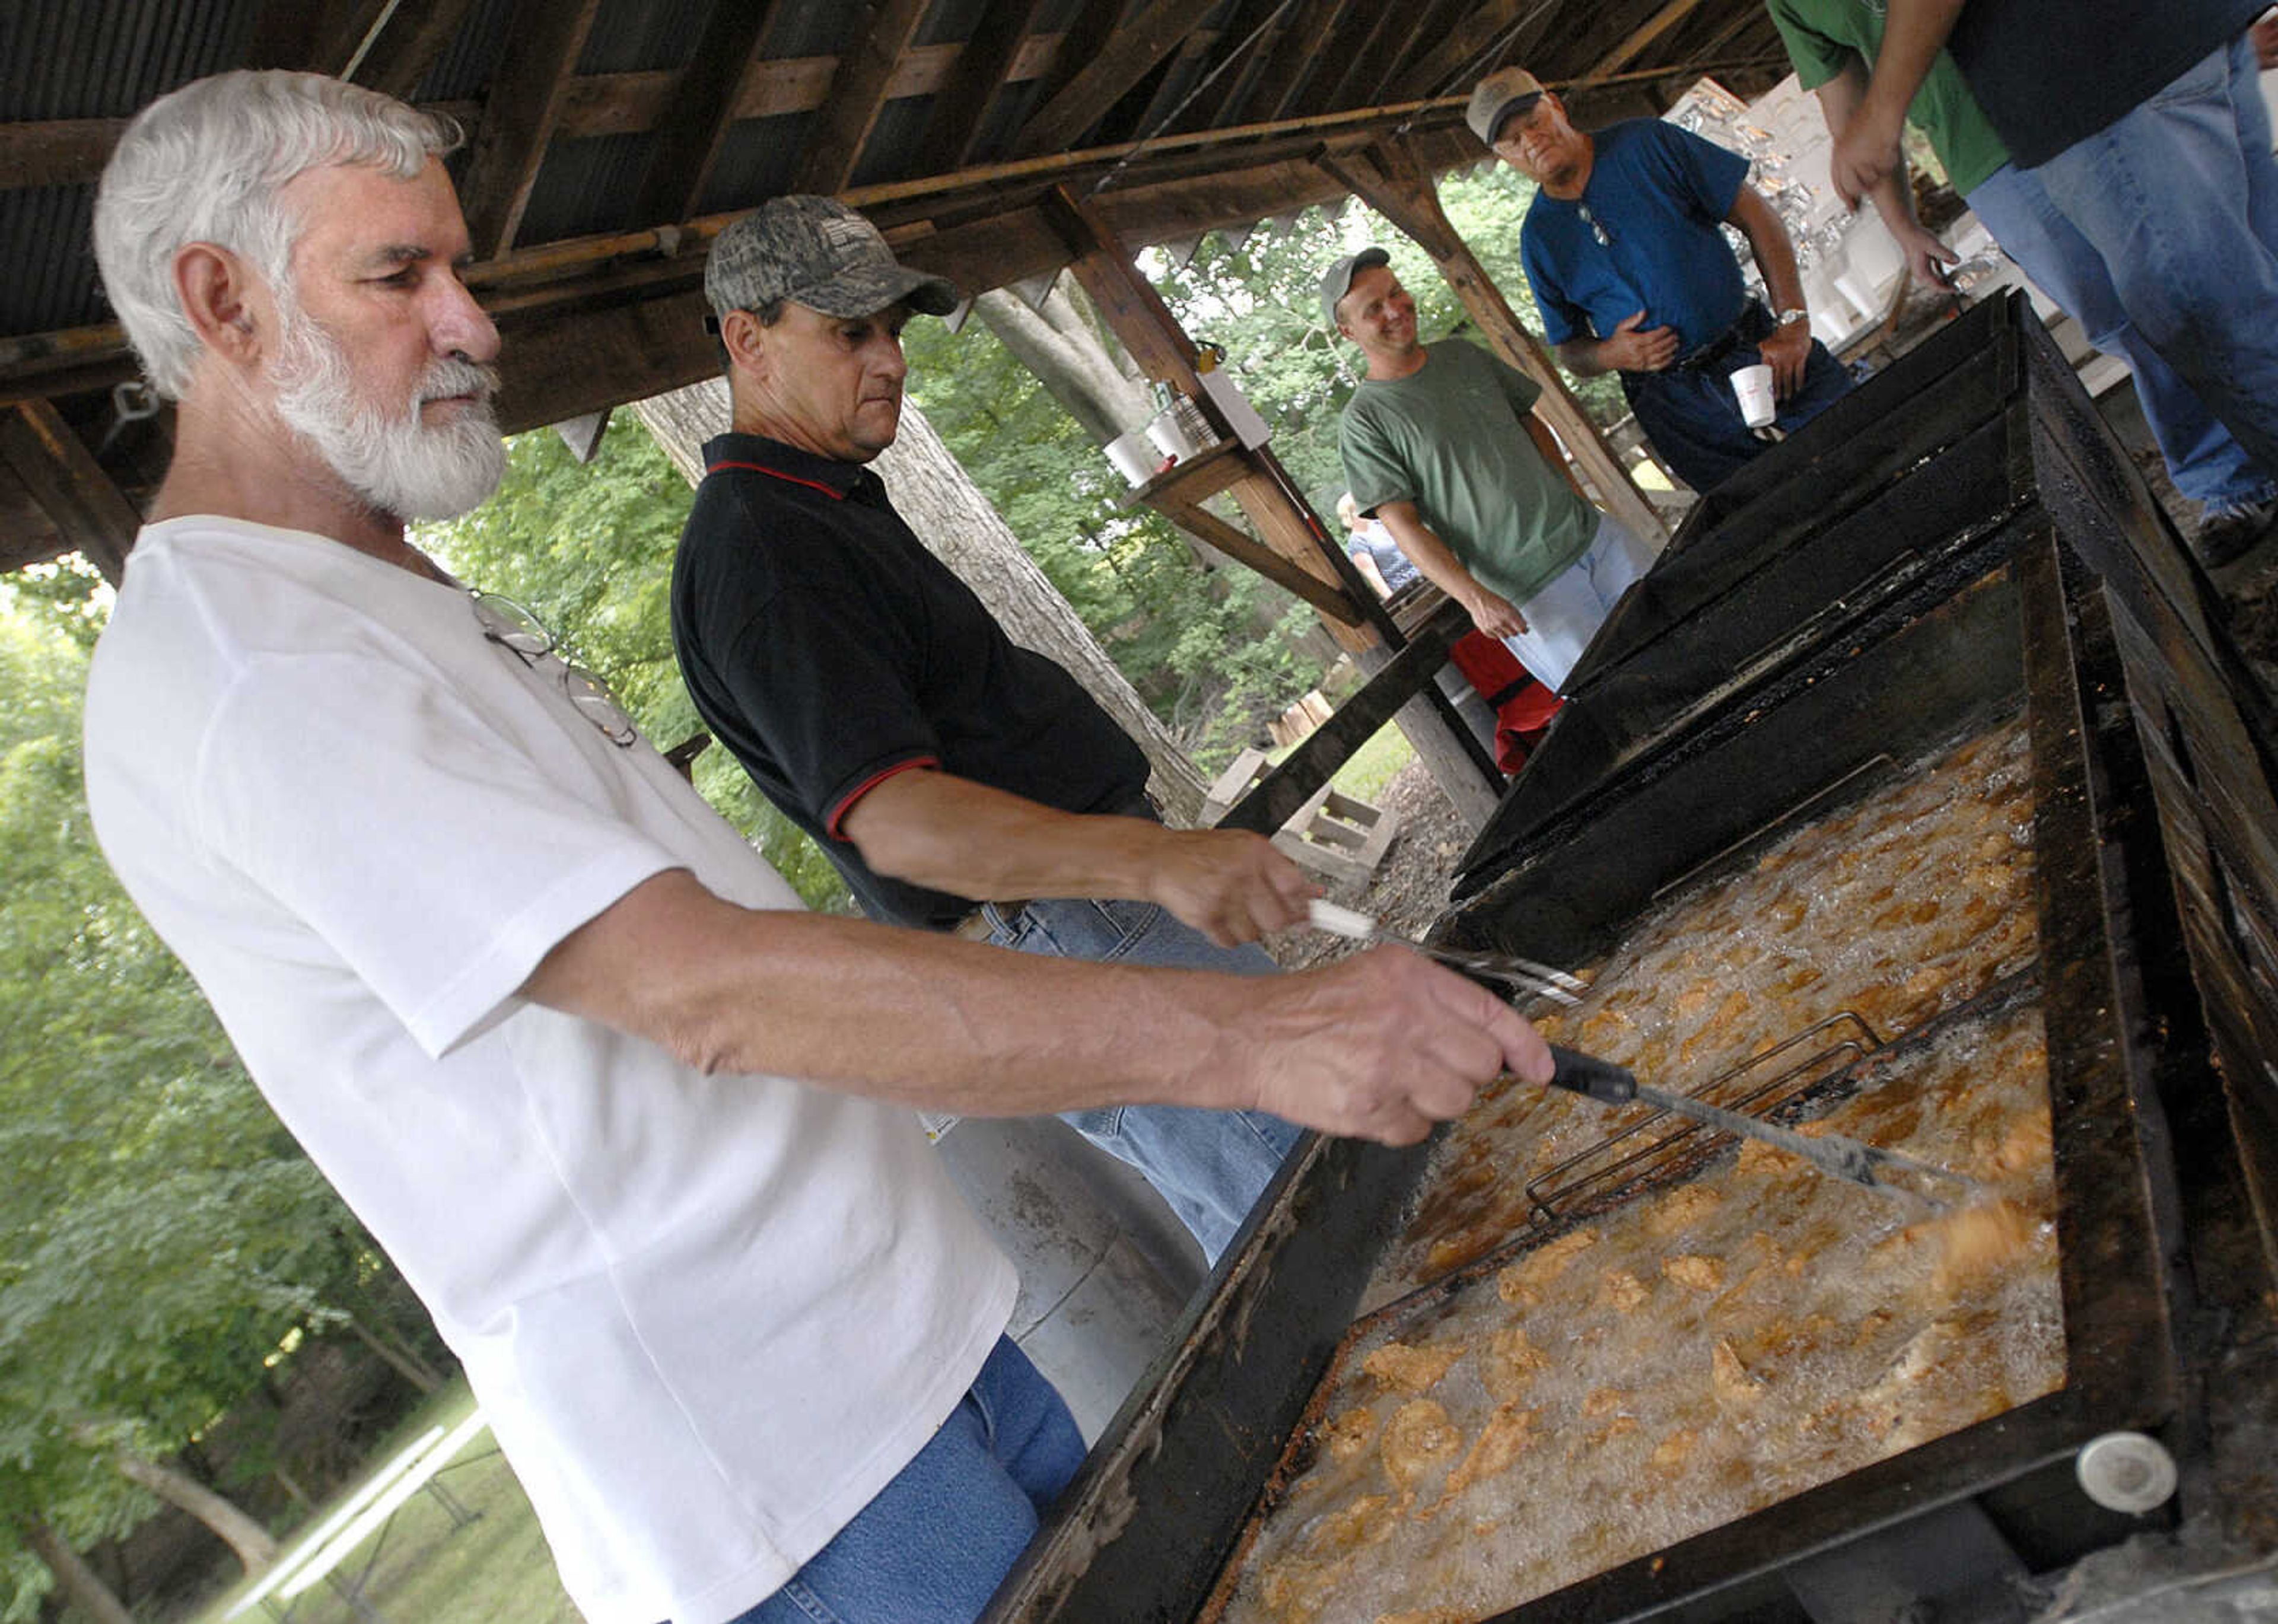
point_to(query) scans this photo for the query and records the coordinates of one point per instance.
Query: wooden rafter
(1334, 92)
(519, 116)
(1232, 74)
(1195, 55)
(704, 110)
(983, 68)
(88, 512)
(415, 36)
(1125, 59)
(859, 89)
(1466, 49)
(1299, 55)
(1641, 38)
(1435, 17)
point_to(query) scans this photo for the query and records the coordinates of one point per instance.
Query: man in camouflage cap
(959, 783)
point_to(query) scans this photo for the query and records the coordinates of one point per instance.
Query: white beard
(397, 464)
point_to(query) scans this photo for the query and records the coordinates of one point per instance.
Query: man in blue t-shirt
(1630, 267)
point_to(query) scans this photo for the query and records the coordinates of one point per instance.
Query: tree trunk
(76, 1582)
(1059, 346)
(398, 1358)
(253, 1545)
(933, 493)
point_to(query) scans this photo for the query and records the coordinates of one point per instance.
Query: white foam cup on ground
(1752, 386)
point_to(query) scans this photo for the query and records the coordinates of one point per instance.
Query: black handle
(1601, 1079)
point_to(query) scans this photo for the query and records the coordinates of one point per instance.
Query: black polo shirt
(828, 649)
(2049, 73)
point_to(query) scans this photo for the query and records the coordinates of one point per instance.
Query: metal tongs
(1521, 974)
(1843, 1158)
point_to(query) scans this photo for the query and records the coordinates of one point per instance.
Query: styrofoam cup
(1753, 387)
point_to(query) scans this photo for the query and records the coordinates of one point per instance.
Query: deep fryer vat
(1163, 1501)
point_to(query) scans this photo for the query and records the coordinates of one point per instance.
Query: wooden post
(1137, 316)
(1391, 180)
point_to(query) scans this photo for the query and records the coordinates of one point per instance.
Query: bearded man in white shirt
(639, 1132)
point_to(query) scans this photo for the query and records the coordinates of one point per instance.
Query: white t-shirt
(708, 1318)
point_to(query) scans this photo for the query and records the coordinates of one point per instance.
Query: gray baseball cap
(1507, 91)
(817, 252)
(1337, 281)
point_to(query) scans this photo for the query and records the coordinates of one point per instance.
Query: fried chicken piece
(1681, 1209)
(1417, 1440)
(1602, 1401)
(1522, 1283)
(1398, 1367)
(1729, 1377)
(1511, 1363)
(1670, 1455)
(1508, 1434)
(1695, 1272)
(1623, 1290)
(1979, 1241)
(1349, 1434)
(1368, 1521)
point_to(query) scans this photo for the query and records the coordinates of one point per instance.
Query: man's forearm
(1585, 357)
(1913, 32)
(1840, 99)
(1381, 1045)
(897, 1014)
(1768, 241)
(1433, 559)
(950, 834)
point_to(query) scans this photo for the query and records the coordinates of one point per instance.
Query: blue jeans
(1210, 1166)
(934, 1542)
(2180, 196)
(2204, 457)
(1694, 419)
(1565, 614)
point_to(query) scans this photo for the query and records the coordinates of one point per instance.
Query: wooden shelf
(1194, 480)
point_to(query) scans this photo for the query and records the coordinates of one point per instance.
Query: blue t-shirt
(1659, 195)
(1374, 540)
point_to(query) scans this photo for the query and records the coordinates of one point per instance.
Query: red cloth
(1522, 707)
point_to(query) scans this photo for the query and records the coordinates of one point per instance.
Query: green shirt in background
(1821, 35)
(1451, 438)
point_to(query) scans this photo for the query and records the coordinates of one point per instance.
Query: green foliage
(588, 549)
(160, 1232)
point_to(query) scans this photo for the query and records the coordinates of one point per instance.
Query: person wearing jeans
(2145, 129)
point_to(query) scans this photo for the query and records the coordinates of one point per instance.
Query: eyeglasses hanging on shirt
(1605, 237)
(518, 630)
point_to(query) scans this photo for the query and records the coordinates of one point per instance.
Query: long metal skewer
(1524, 974)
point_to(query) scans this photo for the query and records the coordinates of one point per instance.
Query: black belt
(1734, 336)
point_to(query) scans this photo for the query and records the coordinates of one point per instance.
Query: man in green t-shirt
(1832, 43)
(1440, 442)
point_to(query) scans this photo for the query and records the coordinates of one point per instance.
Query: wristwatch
(1793, 312)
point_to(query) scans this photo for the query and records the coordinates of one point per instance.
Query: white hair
(206, 163)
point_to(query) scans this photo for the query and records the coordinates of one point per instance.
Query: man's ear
(747, 343)
(216, 290)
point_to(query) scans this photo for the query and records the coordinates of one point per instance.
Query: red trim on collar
(761, 468)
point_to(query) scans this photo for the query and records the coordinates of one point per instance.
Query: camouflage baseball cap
(1497, 96)
(817, 252)
(1337, 280)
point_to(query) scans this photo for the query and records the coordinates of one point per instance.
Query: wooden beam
(1298, 55)
(413, 40)
(1099, 83)
(1213, 100)
(559, 364)
(1135, 313)
(518, 116)
(983, 68)
(1207, 526)
(1641, 38)
(703, 109)
(1338, 91)
(1464, 50)
(1185, 72)
(1427, 20)
(1281, 793)
(87, 510)
(858, 90)
(1395, 182)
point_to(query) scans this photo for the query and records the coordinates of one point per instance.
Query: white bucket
(1132, 456)
(1172, 437)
